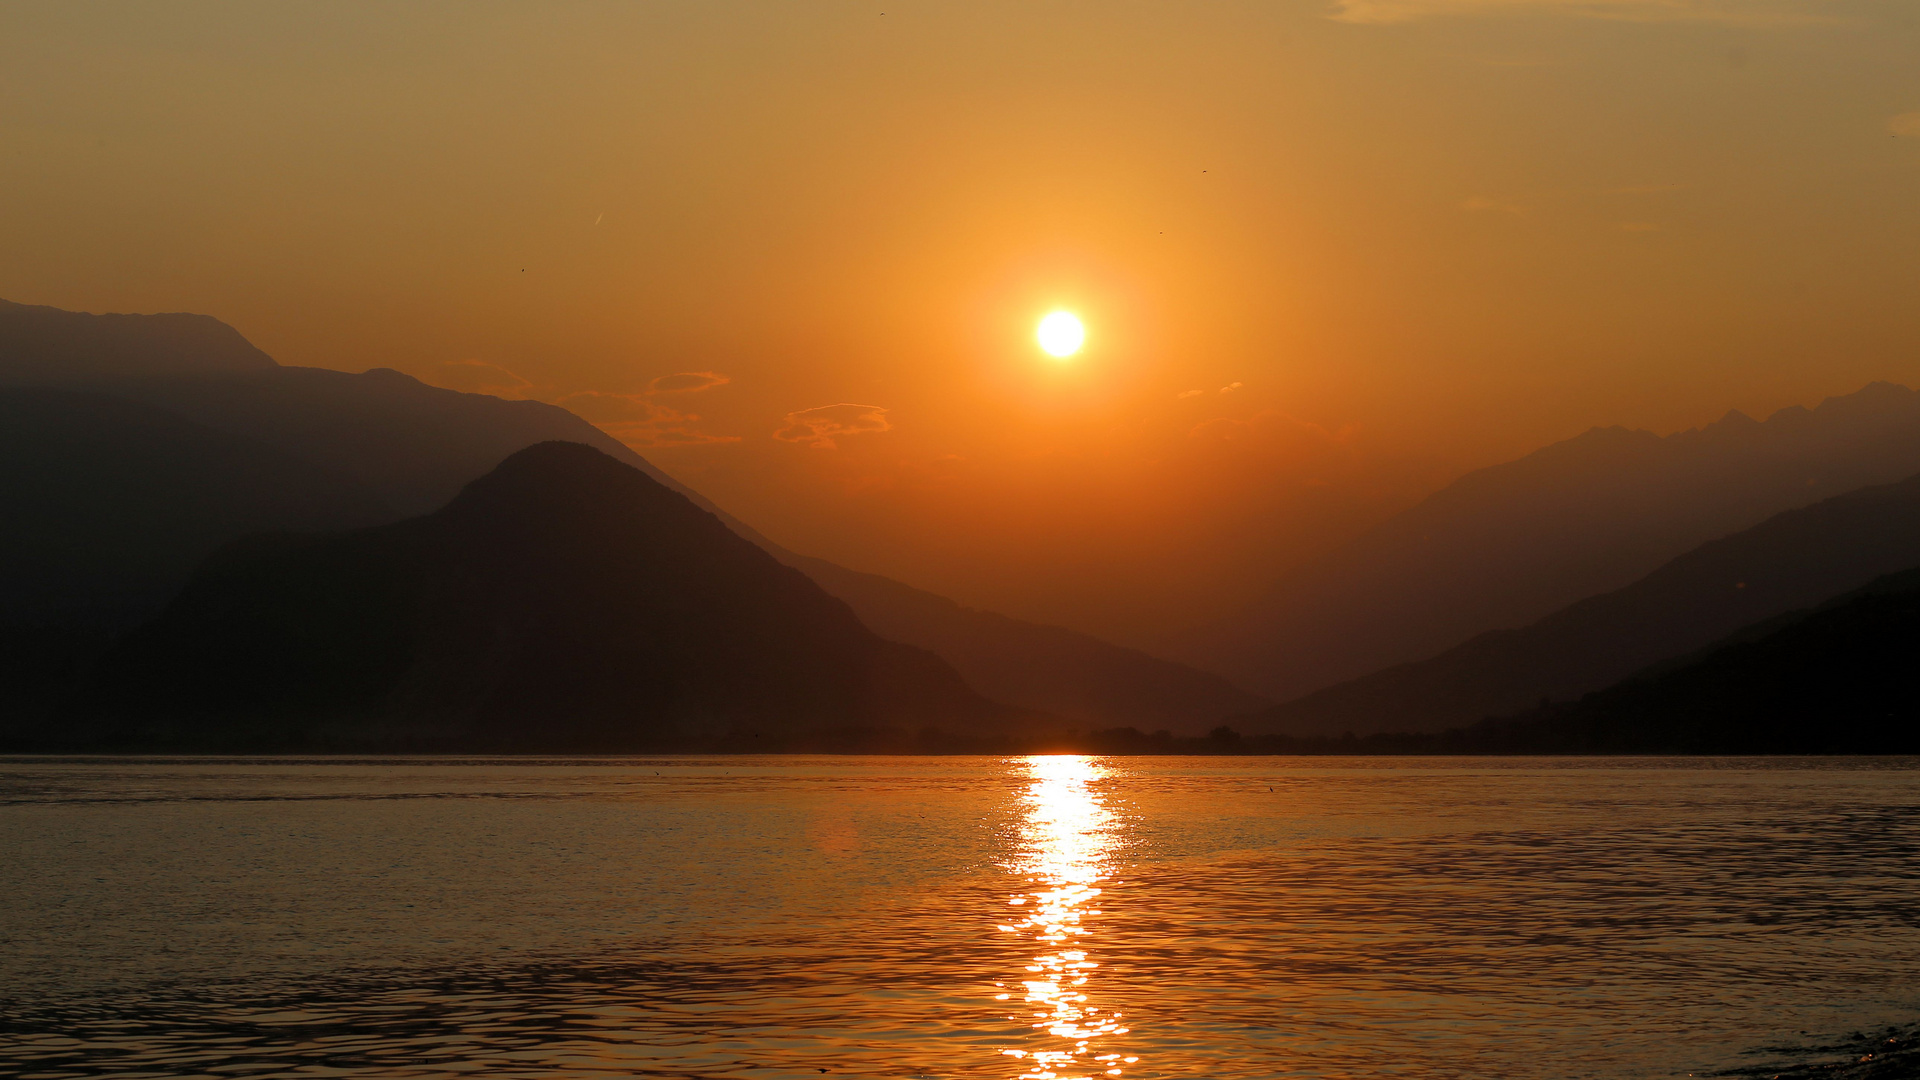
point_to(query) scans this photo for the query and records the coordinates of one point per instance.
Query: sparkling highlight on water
(1068, 834)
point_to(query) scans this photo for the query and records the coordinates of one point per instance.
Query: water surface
(1043, 918)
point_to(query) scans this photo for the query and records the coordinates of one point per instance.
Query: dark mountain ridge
(1790, 561)
(563, 602)
(1506, 545)
(1837, 679)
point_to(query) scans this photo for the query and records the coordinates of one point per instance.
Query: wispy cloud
(639, 421)
(687, 382)
(635, 419)
(1281, 444)
(1734, 12)
(820, 427)
(1480, 204)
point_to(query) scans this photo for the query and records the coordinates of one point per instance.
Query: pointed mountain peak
(555, 483)
(573, 464)
(563, 601)
(1734, 424)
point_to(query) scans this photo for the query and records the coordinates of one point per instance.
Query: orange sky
(1420, 235)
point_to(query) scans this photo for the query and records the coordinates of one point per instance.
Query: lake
(1042, 918)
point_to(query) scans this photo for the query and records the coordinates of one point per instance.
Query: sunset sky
(1328, 255)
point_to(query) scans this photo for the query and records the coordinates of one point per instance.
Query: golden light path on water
(1068, 833)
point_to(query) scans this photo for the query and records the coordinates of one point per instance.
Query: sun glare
(1069, 837)
(1060, 334)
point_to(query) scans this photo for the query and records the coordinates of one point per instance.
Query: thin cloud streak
(1726, 12)
(1482, 204)
(639, 422)
(634, 419)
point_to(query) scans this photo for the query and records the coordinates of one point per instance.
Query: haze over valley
(187, 494)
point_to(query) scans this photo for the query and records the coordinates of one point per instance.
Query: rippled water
(1043, 918)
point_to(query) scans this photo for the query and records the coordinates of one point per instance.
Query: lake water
(1044, 918)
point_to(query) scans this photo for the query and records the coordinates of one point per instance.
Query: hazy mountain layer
(415, 446)
(1049, 668)
(1790, 561)
(1504, 546)
(565, 601)
(44, 345)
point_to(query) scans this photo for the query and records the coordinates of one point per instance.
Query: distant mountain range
(1790, 561)
(381, 446)
(1505, 546)
(563, 602)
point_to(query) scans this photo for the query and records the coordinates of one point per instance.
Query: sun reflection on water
(1068, 832)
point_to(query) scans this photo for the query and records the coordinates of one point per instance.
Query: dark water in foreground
(923, 917)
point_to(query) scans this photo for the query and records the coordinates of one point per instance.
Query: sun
(1060, 334)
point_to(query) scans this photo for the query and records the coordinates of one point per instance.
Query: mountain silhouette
(109, 505)
(1788, 562)
(563, 602)
(1504, 546)
(1838, 679)
(413, 447)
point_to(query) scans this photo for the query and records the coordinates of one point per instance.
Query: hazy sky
(1329, 255)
